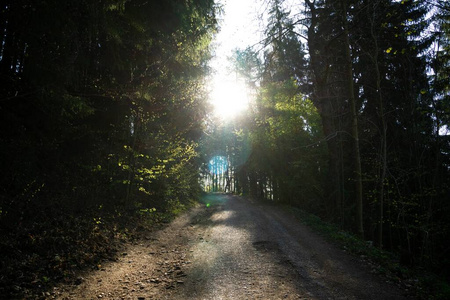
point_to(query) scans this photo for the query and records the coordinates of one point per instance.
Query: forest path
(232, 248)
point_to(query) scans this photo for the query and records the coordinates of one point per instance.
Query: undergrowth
(424, 284)
(53, 246)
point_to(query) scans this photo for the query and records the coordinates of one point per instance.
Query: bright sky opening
(229, 95)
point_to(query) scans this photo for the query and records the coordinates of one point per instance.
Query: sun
(229, 97)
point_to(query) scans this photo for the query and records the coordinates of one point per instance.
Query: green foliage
(147, 210)
(286, 146)
(107, 89)
(275, 151)
(103, 102)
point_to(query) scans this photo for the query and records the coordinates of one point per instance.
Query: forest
(105, 124)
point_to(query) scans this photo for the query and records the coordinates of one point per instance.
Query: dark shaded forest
(101, 105)
(105, 125)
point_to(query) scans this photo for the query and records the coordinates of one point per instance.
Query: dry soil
(232, 248)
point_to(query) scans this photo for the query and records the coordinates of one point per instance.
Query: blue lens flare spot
(218, 165)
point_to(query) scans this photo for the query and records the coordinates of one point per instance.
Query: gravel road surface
(232, 248)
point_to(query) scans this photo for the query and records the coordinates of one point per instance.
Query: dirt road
(231, 248)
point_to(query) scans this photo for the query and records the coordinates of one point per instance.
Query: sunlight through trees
(117, 107)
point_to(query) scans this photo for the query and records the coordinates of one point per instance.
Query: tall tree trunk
(275, 189)
(132, 166)
(253, 184)
(383, 132)
(323, 101)
(354, 116)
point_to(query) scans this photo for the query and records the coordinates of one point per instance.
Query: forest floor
(232, 248)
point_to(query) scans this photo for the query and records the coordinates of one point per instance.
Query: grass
(425, 285)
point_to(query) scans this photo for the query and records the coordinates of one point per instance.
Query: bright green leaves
(116, 5)
(289, 112)
(147, 210)
(97, 168)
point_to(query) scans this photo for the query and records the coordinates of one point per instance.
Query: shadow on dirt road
(232, 248)
(256, 251)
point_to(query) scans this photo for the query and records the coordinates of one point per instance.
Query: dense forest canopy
(103, 106)
(101, 100)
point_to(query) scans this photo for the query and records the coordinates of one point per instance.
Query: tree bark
(354, 131)
(323, 101)
(383, 144)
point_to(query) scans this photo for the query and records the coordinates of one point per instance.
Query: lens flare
(218, 165)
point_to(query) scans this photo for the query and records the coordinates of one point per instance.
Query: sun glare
(229, 98)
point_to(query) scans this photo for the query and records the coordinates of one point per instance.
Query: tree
(354, 117)
(283, 127)
(94, 98)
(327, 97)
